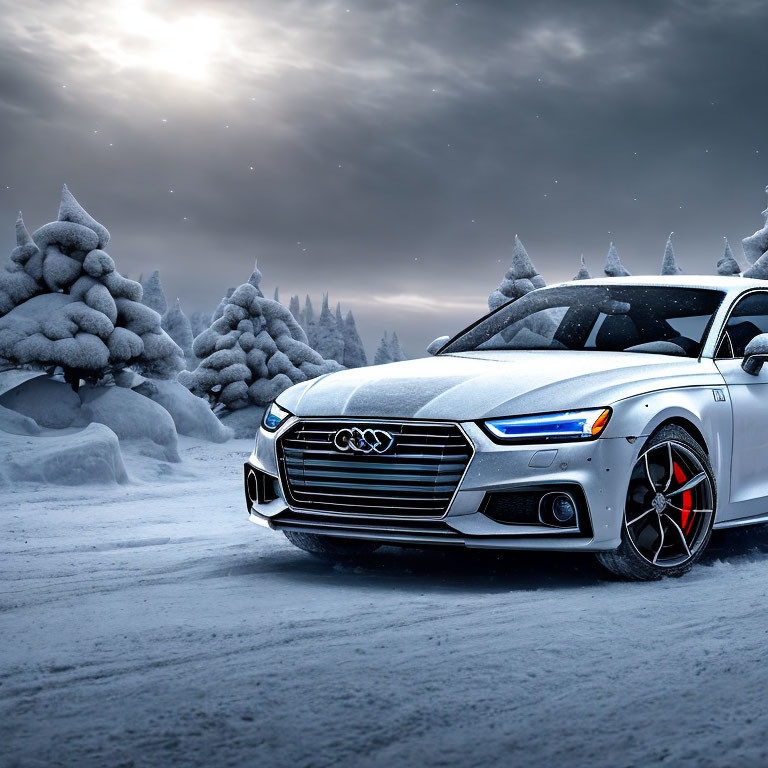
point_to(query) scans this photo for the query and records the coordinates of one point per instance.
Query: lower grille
(416, 478)
(366, 527)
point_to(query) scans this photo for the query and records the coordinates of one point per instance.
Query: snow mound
(86, 457)
(48, 403)
(245, 422)
(133, 417)
(16, 423)
(11, 378)
(190, 414)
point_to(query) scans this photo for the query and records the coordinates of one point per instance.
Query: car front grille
(416, 478)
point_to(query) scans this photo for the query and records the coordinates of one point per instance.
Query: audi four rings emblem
(363, 440)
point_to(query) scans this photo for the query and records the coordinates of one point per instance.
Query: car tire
(330, 547)
(632, 561)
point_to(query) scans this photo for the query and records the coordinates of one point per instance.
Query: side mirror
(438, 344)
(755, 354)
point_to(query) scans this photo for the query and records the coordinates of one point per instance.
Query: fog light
(563, 509)
(252, 488)
(558, 509)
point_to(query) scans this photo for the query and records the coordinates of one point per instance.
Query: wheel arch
(686, 424)
(694, 409)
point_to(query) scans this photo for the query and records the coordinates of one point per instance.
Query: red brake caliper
(686, 517)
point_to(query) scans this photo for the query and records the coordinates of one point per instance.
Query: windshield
(621, 318)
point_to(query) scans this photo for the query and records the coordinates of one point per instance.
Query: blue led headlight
(547, 427)
(274, 416)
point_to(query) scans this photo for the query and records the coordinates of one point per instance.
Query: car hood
(475, 385)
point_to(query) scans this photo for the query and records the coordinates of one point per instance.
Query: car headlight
(548, 427)
(274, 416)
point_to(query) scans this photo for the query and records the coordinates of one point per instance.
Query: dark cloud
(387, 152)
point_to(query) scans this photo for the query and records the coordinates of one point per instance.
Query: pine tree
(727, 265)
(759, 270)
(295, 309)
(329, 339)
(276, 297)
(309, 321)
(254, 351)
(756, 245)
(154, 295)
(521, 278)
(16, 284)
(199, 322)
(613, 265)
(583, 273)
(669, 262)
(354, 351)
(395, 350)
(85, 317)
(219, 311)
(176, 324)
(255, 278)
(383, 353)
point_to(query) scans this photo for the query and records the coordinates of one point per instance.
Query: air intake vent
(415, 477)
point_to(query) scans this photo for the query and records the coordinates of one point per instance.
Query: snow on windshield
(659, 320)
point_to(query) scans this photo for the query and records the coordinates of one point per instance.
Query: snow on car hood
(475, 385)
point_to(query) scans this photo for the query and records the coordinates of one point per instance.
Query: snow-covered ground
(151, 624)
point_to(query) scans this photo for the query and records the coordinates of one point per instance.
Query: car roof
(724, 283)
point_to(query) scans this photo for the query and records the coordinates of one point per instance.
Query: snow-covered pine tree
(329, 340)
(199, 322)
(85, 317)
(16, 284)
(154, 295)
(756, 245)
(354, 351)
(219, 311)
(727, 264)
(395, 350)
(521, 278)
(759, 269)
(255, 278)
(276, 297)
(384, 352)
(309, 321)
(669, 262)
(583, 273)
(613, 266)
(177, 325)
(295, 309)
(254, 351)
(339, 320)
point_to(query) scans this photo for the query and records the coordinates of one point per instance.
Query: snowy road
(154, 625)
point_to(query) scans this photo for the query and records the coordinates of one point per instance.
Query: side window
(748, 319)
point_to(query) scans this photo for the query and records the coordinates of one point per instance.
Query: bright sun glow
(183, 46)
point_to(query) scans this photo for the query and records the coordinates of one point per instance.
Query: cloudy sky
(387, 152)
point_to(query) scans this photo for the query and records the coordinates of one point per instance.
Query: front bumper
(600, 468)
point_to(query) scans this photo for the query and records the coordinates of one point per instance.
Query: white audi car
(627, 417)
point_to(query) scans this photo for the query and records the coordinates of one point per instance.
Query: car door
(749, 403)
